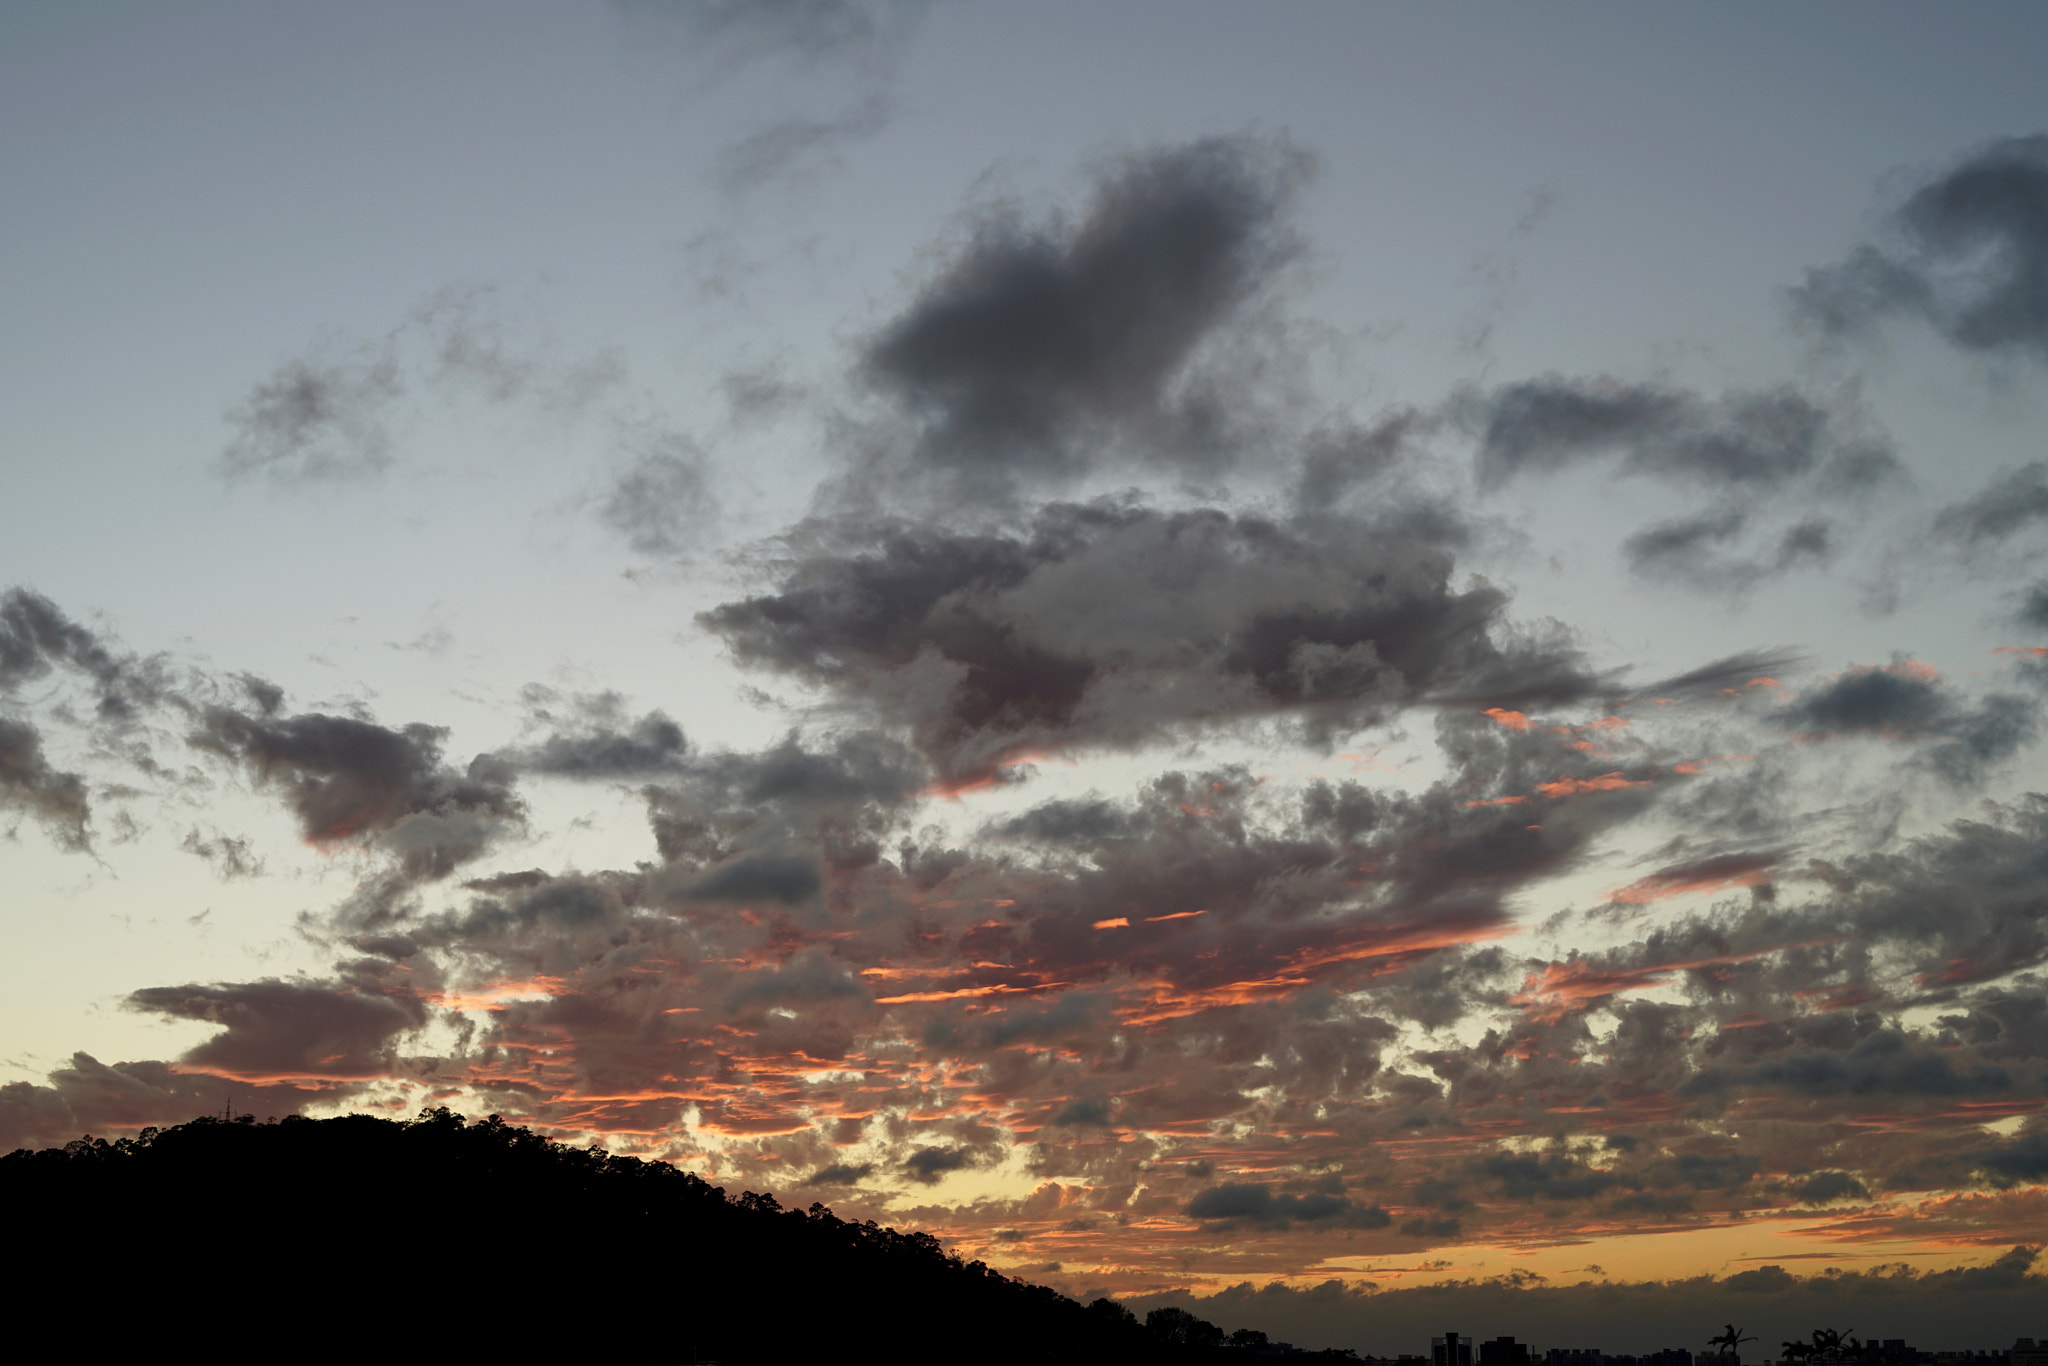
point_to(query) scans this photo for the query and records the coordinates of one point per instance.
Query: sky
(1370, 668)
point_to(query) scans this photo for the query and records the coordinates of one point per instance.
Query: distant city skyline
(1362, 668)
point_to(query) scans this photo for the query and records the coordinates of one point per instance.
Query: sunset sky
(1373, 668)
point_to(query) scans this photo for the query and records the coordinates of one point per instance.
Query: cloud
(35, 637)
(840, 795)
(1754, 440)
(316, 419)
(804, 980)
(749, 30)
(2022, 1159)
(929, 1165)
(1063, 821)
(1901, 699)
(1105, 625)
(1089, 1111)
(1886, 1062)
(324, 417)
(232, 856)
(2032, 609)
(28, 783)
(355, 780)
(2015, 501)
(277, 1030)
(776, 148)
(1686, 551)
(1343, 457)
(1906, 701)
(661, 502)
(789, 880)
(1824, 1187)
(595, 740)
(1035, 345)
(1970, 258)
(841, 1174)
(1550, 1176)
(1250, 1203)
(1701, 875)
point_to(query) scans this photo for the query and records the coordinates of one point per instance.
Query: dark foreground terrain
(441, 1240)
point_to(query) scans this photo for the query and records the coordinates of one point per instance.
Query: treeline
(334, 1238)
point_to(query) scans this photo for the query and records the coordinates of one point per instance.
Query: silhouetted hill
(358, 1236)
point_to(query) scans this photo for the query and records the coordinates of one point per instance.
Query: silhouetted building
(1450, 1350)
(1507, 1352)
(2027, 1352)
(1573, 1356)
(1682, 1356)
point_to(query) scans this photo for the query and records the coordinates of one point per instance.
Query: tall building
(1507, 1352)
(1450, 1350)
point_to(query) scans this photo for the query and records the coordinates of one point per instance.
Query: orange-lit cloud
(1606, 782)
(965, 993)
(1707, 875)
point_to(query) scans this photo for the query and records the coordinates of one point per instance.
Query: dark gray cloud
(348, 779)
(1754, 440)
(1110, 625)
(517, 910)
(273, 1030)
(2003, 1024)
(841, 795)
(1340, 459)
(36, 637)
(2014, 501)
(1906, 702)
(29, 784)
(1550, 1176)
(1090, 1111)
(1971, 258)
(1886, 1062)
(1690, 551)
(804, 980)
(1066, 822)
(928, 1165)
(1824, 1187)
(1255, 1204)
(1964, 903)
(2032, 609)
(1678, 547)
(2022, 1158)
(841, 1174)
(1037, 343)
(594, 738)
(1897, 701)
(850, 769)
(786, 879)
